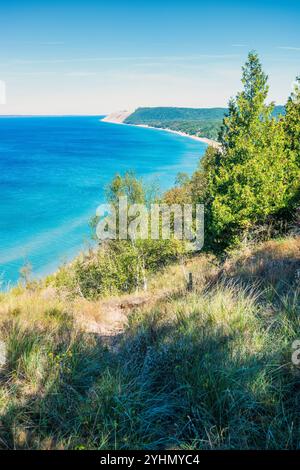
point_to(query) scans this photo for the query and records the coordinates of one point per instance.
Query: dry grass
(175, 277)
(34, 309)
(276, 262)
(207, 369)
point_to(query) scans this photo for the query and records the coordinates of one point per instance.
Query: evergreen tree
(252, 177)
(292, 122)
(292, 136)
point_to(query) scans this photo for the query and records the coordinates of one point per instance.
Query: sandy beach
(119, 118)
(212, 143)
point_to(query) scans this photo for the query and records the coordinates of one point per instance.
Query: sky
(96, 57)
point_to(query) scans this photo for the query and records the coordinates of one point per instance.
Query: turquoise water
(53, 171)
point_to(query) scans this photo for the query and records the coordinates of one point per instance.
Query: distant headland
(187, 122)
(203, 124)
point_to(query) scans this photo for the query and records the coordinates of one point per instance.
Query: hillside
(203, 122)
(146, 115)
(200, 122)
(170, 368)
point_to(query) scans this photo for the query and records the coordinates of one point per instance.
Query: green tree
(124, 265)
(292, 136)
(251, 177)
(292, 122)
(127, 185)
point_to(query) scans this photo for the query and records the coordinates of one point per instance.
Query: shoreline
(205, 140)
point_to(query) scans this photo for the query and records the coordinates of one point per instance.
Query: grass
(207, 369)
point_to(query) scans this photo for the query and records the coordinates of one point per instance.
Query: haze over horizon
(68, 58)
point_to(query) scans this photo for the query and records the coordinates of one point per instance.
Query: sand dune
(117, 117)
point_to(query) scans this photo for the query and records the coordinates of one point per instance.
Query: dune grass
(208, 369)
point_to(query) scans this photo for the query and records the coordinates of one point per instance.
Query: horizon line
(115, 111)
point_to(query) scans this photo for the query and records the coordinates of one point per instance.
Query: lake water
(53, 171)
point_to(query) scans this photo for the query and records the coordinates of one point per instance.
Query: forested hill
(144, 115)
(205, 122)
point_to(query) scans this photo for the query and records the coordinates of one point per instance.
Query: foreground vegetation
(207, 369)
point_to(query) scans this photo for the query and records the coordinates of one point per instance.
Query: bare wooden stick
(190, 282)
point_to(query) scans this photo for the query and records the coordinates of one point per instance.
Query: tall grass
(209, 369)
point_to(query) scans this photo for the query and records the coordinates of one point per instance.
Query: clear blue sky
(88, 57)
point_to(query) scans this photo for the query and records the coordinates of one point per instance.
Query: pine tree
(292, 122)
(253, 177)
(292, 136)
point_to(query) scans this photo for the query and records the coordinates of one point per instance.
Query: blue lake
(53, 172)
